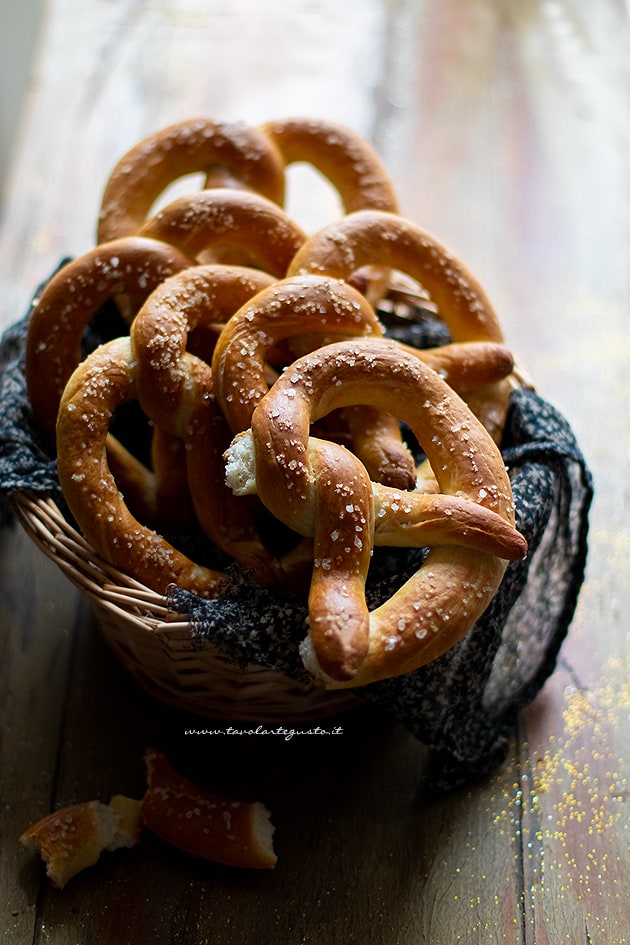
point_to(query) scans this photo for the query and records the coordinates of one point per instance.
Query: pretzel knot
(370, 237)
(69, 301)
(318, 488)
(232, 154)
(105, 381)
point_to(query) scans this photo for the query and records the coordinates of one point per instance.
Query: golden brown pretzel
(348, 161)
(72, 298)
(354, 169)
(313, 307)
(371, 237)
(197, 298)
(302, 485)
(102, 383)
(201, 144)
(241, 227)
(175, 390)
(72, 838)
(306, 306)
(289, 308)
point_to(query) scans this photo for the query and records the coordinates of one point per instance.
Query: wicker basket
(156, 647)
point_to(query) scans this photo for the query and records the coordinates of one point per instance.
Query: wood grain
(505, 125)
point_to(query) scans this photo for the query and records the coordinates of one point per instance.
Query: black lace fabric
(464, 704)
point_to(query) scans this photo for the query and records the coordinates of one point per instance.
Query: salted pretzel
(316, 307)
(236, 155)
(196, 299)
(233, 155)
(373, 237)
(72, 838)
(170, 380)
(54, 348)
(318, 488)
(263, 312)
(354, 169)
(343, 157)
(304, 307)
(226, 149)
(102, 383)
(71, 299)
(235, 225)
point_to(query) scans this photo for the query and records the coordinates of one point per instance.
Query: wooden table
(505, 125)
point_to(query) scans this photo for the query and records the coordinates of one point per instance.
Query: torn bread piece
(73, 838)
(206, 825)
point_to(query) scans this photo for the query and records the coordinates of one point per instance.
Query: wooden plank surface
(505, 126)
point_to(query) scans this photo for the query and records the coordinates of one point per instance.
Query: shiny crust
(232, 150)
(305, 309)
(346, 159)
(372, 237)
(235, 155)
(237, 310)
(176, 391)
(204, 824)
(101, 384)
(235, 226)
(69, 301)
(317, 490)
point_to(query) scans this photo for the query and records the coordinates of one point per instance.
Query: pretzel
(196, 299)
(205, 824)
(175, 389)
(354, 169)
(234, 150)
(318, 490)
(72, 298)
(305, 306)
(350, 164)
(236, 155)
(101, 384)
(316, 306)
(373, 237)
(238, 226)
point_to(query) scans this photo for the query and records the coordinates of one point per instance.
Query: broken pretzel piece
(73, 838)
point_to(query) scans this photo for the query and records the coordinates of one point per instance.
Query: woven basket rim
(156, 644)
(45, 523)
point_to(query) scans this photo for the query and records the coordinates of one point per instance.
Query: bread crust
(205, 824)
(319, 490)
(73, 838)
(238, 151)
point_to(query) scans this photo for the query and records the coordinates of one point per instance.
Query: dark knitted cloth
(464, 704)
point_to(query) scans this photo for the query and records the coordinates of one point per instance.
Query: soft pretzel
(175, 389)
(305, 488)
(373, 237)
(307, 306)
(231, 149)
(101, 384)
(72, 298)
(316, 307)
(236, 225)
(346, 159)
(354, 169)
(205, 824)
(197, 298)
